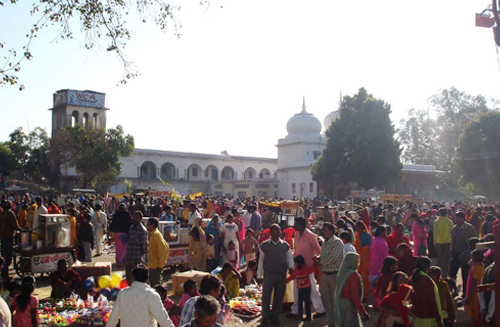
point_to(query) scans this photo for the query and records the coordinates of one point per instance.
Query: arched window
(74, 118)
(211, 173)
(85, 120)
(264, 173)
(148, 170)
(227, 173)
(167, 171)
(95, 121)
(194, 173)
(250, 174)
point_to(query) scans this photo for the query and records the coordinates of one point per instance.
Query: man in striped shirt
(332, 254)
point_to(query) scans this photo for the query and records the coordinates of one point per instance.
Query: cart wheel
(23, 267)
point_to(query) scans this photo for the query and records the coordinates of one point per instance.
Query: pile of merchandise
(248, 304)
(74, 311)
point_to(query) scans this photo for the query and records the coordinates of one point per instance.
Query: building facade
(289, 176)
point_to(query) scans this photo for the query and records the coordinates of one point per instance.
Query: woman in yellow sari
(197, 246)
(362, 244)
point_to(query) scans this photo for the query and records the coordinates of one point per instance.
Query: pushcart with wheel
(51, 242)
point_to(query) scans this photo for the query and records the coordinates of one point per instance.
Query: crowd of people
(344, 262)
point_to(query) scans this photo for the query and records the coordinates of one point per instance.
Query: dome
(303, 122)
(330, 118)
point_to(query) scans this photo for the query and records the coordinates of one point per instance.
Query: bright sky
(238, 73)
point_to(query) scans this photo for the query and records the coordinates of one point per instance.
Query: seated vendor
(64, 281)
(230, 276)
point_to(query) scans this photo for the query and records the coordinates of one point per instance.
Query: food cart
(177, 238)
(282, 213)
(38, 251)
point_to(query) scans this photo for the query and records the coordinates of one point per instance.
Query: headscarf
(348, 267)
(408, 262)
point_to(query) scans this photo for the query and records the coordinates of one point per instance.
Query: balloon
(88, 284)
(106, 292)
(104, 281)
(116, 278)
(123, 283)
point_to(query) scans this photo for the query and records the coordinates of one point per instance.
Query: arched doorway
(148, 170)
(167, 171)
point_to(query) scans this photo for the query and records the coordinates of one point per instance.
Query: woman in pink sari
(120, 224)
(419, 235)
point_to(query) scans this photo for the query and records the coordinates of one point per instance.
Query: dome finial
(303, 105)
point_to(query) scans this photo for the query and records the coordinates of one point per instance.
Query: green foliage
(94, 153)
(31, 155)
(7, 161)
(478, 154)
(98, 19)
(430, 136)
(361, 150)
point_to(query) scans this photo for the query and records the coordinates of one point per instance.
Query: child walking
(211, 261)
(301, 276)
(250, 246)
(232, 254)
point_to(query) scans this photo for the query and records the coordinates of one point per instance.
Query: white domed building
(297, 152)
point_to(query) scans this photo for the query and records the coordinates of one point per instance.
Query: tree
(430, 136)
(94, 153)
(361, 150)
(31, 156)
(7, 161)
(478, 154)
(98, 19)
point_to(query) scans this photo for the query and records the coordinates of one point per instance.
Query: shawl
(348, 267)
(408, 262)
(399, 302)
(393, 241)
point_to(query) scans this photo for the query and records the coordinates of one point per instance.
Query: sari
(472, 309)
(394, 240)
(408, 262)
(214, 230)
(346, 313)
(426, 301)
(362, 244)
(419, 235)
(121, 240)
(197, 247)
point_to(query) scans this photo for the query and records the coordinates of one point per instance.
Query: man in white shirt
(194, 213)
(139, 305)
(40, 209)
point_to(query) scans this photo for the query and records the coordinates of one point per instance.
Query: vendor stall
(38, 251)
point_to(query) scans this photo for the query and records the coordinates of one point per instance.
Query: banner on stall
(397, 197)
(195, 195)
(368, 194)
(159, 193)
(289, 205)
(48, 262)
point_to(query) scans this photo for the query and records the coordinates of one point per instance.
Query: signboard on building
(86, 99)
(48, 262)
(159, 193)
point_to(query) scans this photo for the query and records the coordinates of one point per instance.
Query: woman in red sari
(425, 298)
(397, 237)
(362, 244)
(406, 261)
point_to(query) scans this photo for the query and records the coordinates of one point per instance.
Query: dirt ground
(43, 290)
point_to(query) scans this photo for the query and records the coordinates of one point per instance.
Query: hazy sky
(240, 68)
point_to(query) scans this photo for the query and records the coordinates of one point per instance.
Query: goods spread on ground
(74, 311)
(248, 304)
